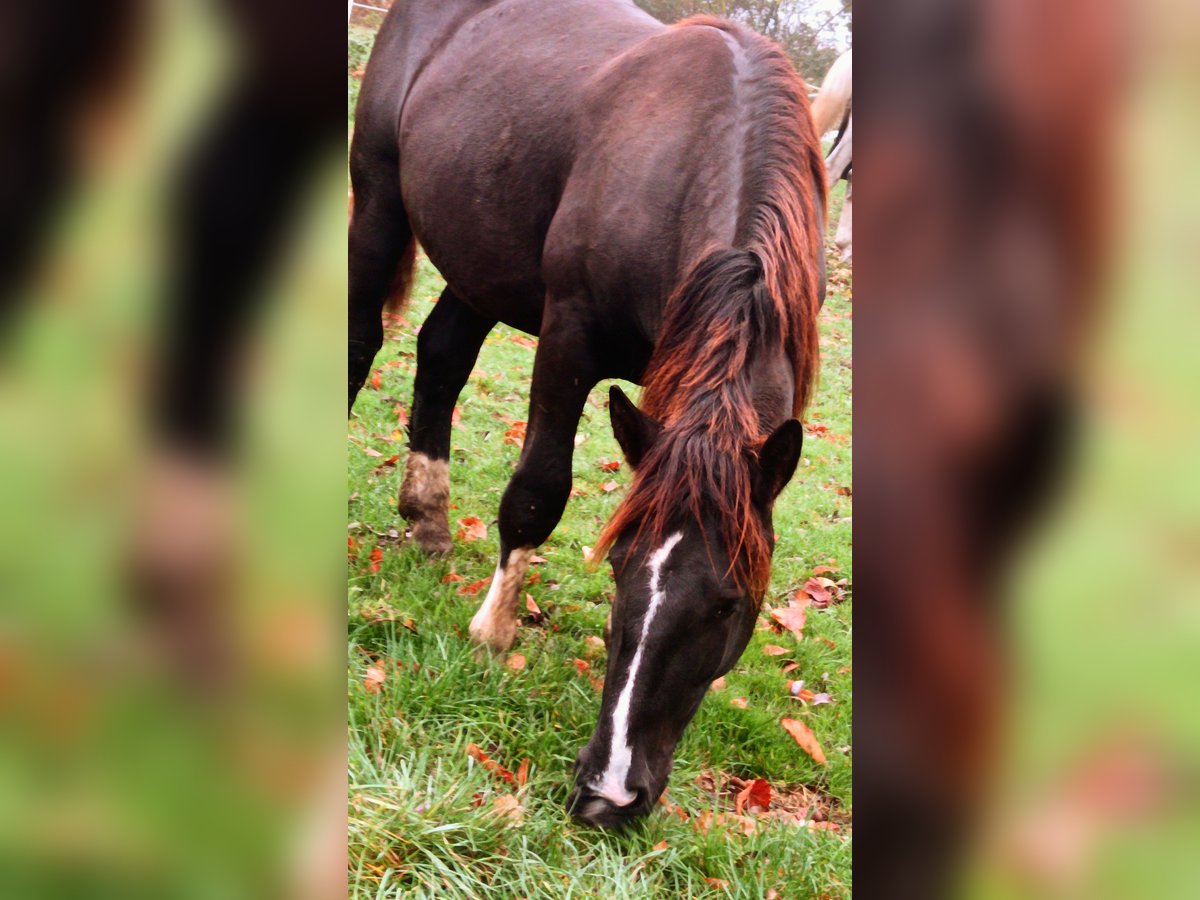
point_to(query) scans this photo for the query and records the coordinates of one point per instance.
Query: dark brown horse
(648, 200)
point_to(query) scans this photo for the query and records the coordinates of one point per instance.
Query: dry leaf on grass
(804, 736)
(739, 702)
(488, 763)
(516, 662)
(375, 677)
(755, 795)
(508, 807)
(792, 617)
(472, 529)
(774, 650)
(474, 587)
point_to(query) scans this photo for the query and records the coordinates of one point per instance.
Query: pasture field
(428, 816)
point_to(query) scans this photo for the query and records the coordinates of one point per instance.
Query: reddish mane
(732, 303)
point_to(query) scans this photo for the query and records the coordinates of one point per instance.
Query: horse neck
(721, 363)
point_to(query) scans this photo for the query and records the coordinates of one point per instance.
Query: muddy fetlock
(425, 502)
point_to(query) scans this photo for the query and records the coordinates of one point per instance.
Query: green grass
(421, 819)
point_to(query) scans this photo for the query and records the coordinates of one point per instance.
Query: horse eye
(725, 609)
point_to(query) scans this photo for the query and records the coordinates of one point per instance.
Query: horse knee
(533, 504)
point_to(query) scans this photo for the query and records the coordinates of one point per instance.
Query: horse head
(685, 608)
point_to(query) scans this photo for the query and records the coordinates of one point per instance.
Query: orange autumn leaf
(531, 606)
(774, 650)
(804, 736)
(661, 845)
(488, 763)
(375, 677)
(609, 487)
(474, 587)
(516, 662)
(756, 793)
(739, 702)
(523, 773)
(792, 617)
(472, 529)
(452, 576)
(719, 883)
(376, 559)
(376, 380)
(606, 466)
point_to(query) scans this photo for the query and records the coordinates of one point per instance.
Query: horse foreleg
(447, 347)
(535, 498)
(845, 229)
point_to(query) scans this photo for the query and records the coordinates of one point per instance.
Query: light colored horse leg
(495, 624)
(845, 229)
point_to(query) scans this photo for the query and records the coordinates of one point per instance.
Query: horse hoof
(495, 641)
(433, 538)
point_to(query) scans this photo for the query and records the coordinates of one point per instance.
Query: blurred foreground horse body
(648, 200)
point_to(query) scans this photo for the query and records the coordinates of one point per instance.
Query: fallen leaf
(376, 559)
(536, 560)
(661, 845)
(376, 380)
(774, 650)
(523, 341)
(371, 451)
(719, 883)
(821, 698)
(401, 415)
(739, 702)
(579, 439)
(606, 466)
(798, 690)
(609, 487)
(523, 773)
(532, 607)
(790, 667)
(792, 617)
(516, 662)
(388, 463)
(821, 570)
(582, 665)
(718, 685)
(473, 529)
(375, 677)
(488, 763)
(508, 807)
(474, 587)
(755, 795)
(804, 736)
(452, 576)
(456, 418)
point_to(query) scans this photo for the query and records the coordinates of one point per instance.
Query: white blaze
(611, 783)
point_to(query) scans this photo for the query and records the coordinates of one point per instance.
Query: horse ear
(778, 458)
(635, 431)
